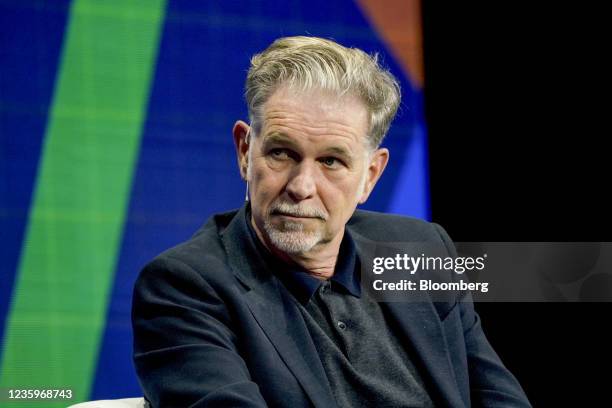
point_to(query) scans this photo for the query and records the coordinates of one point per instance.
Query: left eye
(330, 161)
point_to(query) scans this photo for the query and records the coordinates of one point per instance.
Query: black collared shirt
(364, 362)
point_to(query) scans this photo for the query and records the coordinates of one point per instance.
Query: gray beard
(291, 237)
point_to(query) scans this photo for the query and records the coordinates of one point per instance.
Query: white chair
(117, 403)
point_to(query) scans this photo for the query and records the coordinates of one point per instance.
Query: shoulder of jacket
(389, 227)
(202, 254)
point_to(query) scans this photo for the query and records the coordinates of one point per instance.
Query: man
(264, 307)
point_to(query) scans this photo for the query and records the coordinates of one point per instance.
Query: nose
(302, 185)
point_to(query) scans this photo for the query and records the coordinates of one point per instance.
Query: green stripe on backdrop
(75, 227)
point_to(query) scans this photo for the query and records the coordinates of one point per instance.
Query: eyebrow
(279, 138)
(340, 151)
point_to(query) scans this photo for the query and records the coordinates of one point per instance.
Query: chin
(292, 241)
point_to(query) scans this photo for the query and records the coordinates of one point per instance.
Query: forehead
(316, 114)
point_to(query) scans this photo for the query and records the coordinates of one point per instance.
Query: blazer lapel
(276, 312)
(420, 326)
(279, 317)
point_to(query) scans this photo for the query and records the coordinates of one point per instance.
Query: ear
(376, 166)
(241, 142)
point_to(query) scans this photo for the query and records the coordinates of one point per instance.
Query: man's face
(308, 168)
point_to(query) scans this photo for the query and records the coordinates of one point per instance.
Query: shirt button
(324, 287)
(341, 325)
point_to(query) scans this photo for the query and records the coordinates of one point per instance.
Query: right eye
(279, 154)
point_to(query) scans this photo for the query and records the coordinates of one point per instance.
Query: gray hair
(311, 62)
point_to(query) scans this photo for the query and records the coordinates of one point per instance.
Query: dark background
(515, 105)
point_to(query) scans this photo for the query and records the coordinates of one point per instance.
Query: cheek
(350, 187)
(265, 182)
(341, 196)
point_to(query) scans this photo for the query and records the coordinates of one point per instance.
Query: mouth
(293, 216)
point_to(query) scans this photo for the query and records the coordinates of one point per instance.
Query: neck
(319, 262)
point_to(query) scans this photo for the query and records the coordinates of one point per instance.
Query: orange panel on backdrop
(399, 24)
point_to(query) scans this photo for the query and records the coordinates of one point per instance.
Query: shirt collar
(298, 281)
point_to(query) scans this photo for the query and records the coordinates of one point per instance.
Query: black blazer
(212, 327)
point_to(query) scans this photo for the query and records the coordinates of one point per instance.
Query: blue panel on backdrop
(187, 168)
(406, 199)
(31, 36)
